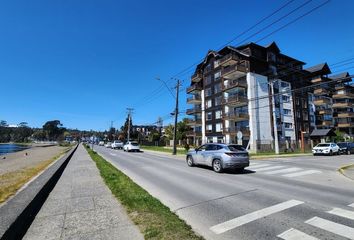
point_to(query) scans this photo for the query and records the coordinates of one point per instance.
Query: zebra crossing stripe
(267, 168)
(239, 221)
(332, 227)
(342, 213)
(286, 170)
(259, 166)
(294, 234)
(301, 173)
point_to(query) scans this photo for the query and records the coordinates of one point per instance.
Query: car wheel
(217, 166)
(331, 153)
(190, 161)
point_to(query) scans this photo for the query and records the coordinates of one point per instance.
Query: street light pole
(275, 127)
(174, 152)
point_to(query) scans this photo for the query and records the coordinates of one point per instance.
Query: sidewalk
(348, 171)
(82, 207)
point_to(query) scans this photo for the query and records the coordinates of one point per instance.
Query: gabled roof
(323, 133)
(339, 75)
(273, 46)
(319, 67)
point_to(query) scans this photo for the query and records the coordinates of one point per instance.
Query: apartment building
(253, 95)
(230, 93)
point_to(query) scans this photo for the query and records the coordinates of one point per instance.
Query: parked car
(117, 144)
(101, 143)
(326, 148)
(219, 156)
(108, 145)
(131, 146)
(346, 147)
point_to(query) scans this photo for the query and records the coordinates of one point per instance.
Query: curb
(343, 168)
(18, 213)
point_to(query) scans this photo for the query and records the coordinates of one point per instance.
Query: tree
(3, 123)
(182, 129)
(124, 128)
(53, 129)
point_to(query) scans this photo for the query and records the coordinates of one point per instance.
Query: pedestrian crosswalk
(284, 171)
(321, 223)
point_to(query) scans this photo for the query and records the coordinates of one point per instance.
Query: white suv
(131, 146)
(326, 148)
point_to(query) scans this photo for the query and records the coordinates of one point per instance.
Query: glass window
(216, 63)
(217, 88)
(286, 111)
(209, 127)
(285, 98)
(207, 79)
(288, 125)
(218, 101)
(208, 92)
(218, 127)
(217, 75)
(209, 115)
(208, 104)
(217, 114)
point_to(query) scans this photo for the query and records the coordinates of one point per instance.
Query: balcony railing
(343, 94)
(345, 115)
(321, 91)
(345, 125)
(196, 77)
(237, 117)
(194, 88)
(234, 130)
(229, 59)
(195, 99)
(235, 100)
(193, 111)
(234, 84)
(319, 79)
(194, 134)
(234, 71)
(324, 111)
(194, 122)
(321, 101)
(325, 123)
(342, 105)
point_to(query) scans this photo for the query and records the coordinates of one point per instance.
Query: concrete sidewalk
(348, 171)
(82, 207)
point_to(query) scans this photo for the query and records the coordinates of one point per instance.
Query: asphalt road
(294, 198)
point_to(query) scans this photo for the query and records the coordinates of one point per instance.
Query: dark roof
(339, 76)
(318, 67)
(323, 133)
(274, 46)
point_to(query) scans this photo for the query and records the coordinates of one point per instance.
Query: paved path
(294, 198)
(82, 207)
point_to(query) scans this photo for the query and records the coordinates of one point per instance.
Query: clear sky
(84, 62)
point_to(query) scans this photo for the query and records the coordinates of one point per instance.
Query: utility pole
(130, 110)
(174, 152)
(275, 127)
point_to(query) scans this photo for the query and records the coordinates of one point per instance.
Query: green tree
(3, 123)
(124, 128)
(53, 129)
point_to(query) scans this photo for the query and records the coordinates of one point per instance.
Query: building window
(207, 79)
(285, 98)
(208, 92)
(284, 84)
(216, 63)
(288, 125)
(218, 127)
(208, 104)
(209, 128)
(217, 75)
(217, 88)
(218, 101)
(209, 116)
(286, 111)
(218, 114)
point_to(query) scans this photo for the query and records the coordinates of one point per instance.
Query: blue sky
(85, 62)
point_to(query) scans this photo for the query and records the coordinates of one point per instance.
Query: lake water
(9, 148)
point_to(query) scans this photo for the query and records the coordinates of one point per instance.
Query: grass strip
(154, 219)
(163, 149)
(12, 181)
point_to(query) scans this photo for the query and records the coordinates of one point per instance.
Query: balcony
(195, 99)
(321, 101)
(319, 80)
(229, 59)
(345, 125)
(346, 115)
(193, 111)
(235, 101)
(194, 122)
(194, 134)
(194, 88)
(234, 84)
(343, 94)
(342, 105)
(234, 130)
(196, 77)
(321, 91)
(324, 111)
(236, 117)
(233, 71)
(325, 123)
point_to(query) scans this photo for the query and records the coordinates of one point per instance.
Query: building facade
(250, 95)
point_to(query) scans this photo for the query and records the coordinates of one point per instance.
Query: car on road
(219, 156)
(326, 149)
(108, 145)
(101, 143)
(117, 144)
(131, 146)
(346, 147)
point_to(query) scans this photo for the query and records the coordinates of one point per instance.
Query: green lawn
(154, 219)
(162, 149)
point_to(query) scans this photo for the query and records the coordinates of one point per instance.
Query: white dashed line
(294, 234)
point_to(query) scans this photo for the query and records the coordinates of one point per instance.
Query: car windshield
(323, 145)
(342, 144)
(236, 148)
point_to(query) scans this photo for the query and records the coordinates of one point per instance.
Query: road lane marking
(260, 166)
(351, 205)
(113, 154)
(268, 168)
(294, 234)
(286, 170)
(301, 173)
(342, 213)
(332, 227)
(239, 221)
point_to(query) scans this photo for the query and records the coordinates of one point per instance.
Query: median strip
(154, 219)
